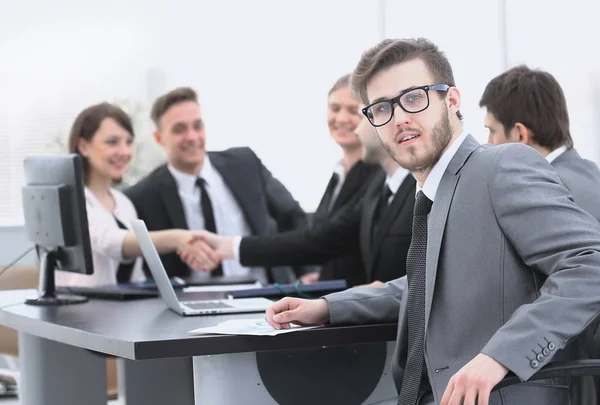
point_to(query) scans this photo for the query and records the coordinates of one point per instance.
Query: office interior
(262, 70)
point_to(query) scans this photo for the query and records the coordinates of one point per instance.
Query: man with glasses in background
(492, 284)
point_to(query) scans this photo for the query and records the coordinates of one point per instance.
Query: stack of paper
(253, 326)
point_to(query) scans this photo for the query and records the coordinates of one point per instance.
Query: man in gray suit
(528, 106)
(503, 268)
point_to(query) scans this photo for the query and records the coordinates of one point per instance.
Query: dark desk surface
(146, 329)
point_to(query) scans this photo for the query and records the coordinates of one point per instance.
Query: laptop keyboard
(208, 305)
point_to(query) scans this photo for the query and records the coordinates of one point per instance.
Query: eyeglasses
(412, 101)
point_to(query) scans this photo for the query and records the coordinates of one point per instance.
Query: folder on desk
(297, 289)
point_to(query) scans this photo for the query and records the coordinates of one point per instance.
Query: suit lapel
(170, 196)
(370, 205)
(439, 215)
(322, 209)
(392, 211)
(238, 180)
(354, 180)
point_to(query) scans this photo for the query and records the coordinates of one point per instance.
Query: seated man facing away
(229, 192)
(528, 106)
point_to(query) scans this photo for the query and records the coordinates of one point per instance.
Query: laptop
(167, 292)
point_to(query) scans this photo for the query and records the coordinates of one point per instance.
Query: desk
(159, 363)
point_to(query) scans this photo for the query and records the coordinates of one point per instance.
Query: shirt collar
(556, 153)
(395, 180)
(435, 176)
(187, 181)
(339, 170)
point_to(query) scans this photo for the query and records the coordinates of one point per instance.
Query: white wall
(563, 39)
(262, 70)
(474, 45)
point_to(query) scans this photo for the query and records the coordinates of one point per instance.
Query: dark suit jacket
(267, 204)
(383, 254)
(349, 266)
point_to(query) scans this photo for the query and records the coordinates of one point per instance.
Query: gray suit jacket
(582, 178)
(513, 271)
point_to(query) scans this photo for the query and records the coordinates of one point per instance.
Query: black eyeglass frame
(396, 100)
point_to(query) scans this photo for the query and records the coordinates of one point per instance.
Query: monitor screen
(56, 220)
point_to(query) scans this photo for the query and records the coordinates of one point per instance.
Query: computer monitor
(56, 221)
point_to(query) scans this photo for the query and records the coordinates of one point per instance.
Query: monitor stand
(47, 287)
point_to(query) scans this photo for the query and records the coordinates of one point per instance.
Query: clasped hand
(204, 251)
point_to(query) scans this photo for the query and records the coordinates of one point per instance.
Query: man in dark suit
(528, 106)
(379, 227)
(349, 182)
(226, 192)
(503, 270)
(355, 186)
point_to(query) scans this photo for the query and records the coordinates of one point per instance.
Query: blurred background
(262, 69)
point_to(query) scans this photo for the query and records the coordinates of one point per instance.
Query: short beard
(441, 135)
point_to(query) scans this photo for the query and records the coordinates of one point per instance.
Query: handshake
(203, 250)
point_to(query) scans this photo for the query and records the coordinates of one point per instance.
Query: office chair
(560, 369)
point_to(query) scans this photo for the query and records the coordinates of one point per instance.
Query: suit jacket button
(545, 351)
(534, 364)
(551, 346)
(540, 357)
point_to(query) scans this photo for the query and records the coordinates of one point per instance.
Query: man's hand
(298, 311)
(310, 278)
(197, 254)
(375, 283)
(474, 382)
(222, 244)
(203, 248)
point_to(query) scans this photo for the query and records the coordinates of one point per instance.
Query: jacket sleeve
(336, 237)
(364, 305)
(554, 236)
(283, 208)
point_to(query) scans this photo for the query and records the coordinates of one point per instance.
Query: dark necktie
(209, 217)
(382, 205)
(333, 182)
(415, 271)
(125, 269)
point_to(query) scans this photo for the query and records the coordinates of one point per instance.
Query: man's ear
(454, 101)
(522, 134)
(157, 137)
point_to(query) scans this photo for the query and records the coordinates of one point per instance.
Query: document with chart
(252, 326)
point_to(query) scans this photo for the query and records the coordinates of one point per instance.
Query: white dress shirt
(394, 181)
(556, 153)
(229, 217)
(339, 170)
(106, 239)
(435, 176)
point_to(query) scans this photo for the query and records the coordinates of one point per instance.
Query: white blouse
(107, 242)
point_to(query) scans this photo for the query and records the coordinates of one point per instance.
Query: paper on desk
(252, 326)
